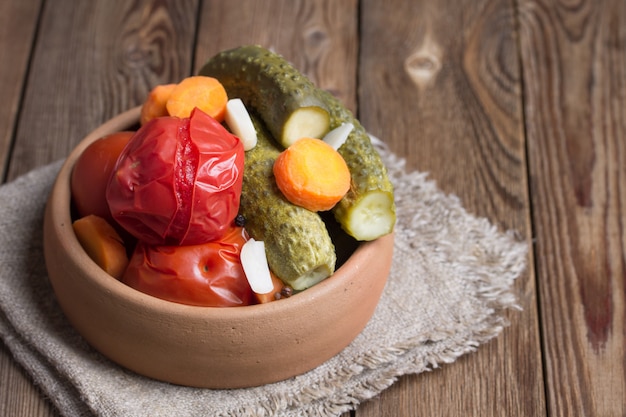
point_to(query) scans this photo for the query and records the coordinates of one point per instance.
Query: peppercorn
(240, 221)
(286, 291)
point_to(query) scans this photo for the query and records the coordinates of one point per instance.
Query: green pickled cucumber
(367, 211)
(297, 244)
(266, 82)
(276, 90)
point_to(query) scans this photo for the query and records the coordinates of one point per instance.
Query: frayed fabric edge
(376, 371)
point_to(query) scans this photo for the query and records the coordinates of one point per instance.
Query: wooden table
(516, 106)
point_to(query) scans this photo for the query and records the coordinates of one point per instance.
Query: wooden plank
(91, 60)
(574, 64)
(462, 123)
(319, 37)
(19, 397)
(18, 22)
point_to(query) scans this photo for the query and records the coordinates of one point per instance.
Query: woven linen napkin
(451, 279)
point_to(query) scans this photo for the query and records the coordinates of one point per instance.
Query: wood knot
(316, 37)
(424, 64)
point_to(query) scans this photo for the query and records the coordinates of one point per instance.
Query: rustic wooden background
(516, 106)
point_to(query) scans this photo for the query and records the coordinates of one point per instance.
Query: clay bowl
(203, 346)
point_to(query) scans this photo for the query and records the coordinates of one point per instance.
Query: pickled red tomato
(91, 173)
(209, 274)
(178, 182)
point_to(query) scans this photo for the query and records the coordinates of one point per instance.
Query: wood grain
(319, 37)
(19, 397)
(462, 123)
(18, 24)
(93, 60)
(516, 106)
(576, 124)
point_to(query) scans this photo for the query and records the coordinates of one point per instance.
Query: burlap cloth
(451, 279)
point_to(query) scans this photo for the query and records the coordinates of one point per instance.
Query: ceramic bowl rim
(121, 291)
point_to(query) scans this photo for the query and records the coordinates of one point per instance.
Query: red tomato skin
(178, 182)
(92, 172)
(208, 275)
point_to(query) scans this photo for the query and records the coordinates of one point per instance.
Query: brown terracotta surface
(203, 346)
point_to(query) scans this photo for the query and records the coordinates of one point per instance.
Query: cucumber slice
(305, 122)
(369, 217)
(266, 82)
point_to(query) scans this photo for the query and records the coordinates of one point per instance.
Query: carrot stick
(273, 295)
(311, 174)
(154, 106)
(205, 93)
(102, 243)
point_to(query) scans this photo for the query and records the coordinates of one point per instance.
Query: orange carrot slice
(311, 174)
(102, 243)
(205, 93)
(154, 106)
